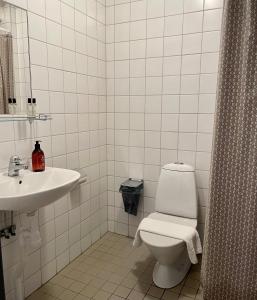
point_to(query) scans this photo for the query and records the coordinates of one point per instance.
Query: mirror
(15, 75)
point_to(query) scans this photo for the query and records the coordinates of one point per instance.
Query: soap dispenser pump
(38, 159)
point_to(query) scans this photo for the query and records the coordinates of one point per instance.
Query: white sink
(30, 190)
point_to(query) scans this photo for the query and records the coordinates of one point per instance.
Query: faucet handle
(15, 165)
(15, 159)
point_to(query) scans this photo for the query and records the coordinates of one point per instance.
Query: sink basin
(30, 190)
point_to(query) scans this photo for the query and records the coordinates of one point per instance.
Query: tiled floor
(112, 269)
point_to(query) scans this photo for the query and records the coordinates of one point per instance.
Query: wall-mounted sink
(30, 190)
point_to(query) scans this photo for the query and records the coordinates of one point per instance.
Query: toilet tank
(176, 192)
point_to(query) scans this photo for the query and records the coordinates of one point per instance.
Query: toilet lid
(156, 240)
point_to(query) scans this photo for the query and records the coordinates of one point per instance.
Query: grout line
(164, 16)
(199, 88)
(114, 121)
(162, 93)
(129, 97)
(181, 64)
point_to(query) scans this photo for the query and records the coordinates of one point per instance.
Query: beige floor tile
(74, 264)
(104, 275)
(133, 276)
(77, 287)
(36, 295)
(56, 279)
(122, 291)
(146, 277)
(82, 267)
(177, 289)
(181, 297)
(104, 247)
(48, 297)
(149, 297)
(90, 260)
(52, 289)
(102, 295)
(75, 275)
(67, 295)
(124, 271)
(64, 282)
(64, 272)
(142, 287)
(93, 270)
(89, 291)
(114, 297)
(39, 295)
(97, 282)
(194, 283)
(115, 278)
(134, 295)
(109, 287)
(86, 278)
(108, 267)
(188, 291)
(138, 272)
(66, 269)
(88, 251)
(168, 295)
(81, 297)
(97, 254)
(107, 257)
(155, 292)
(130, 283)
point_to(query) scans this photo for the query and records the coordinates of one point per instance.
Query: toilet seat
(156, 240)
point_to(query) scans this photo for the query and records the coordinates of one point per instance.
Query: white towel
(172, 230)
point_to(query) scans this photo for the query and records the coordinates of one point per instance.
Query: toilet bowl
(171, 254)
(176, 202)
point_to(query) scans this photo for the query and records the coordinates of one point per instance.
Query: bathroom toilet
(176, 202)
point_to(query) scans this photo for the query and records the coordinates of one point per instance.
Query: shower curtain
(6, 72)
(229, 268)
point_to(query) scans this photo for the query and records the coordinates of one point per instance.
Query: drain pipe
(2, 288)
(7, 233)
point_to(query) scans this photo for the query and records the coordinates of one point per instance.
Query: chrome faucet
(15, 165)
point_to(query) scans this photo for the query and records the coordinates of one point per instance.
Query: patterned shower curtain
(6, 72)
(229, 269)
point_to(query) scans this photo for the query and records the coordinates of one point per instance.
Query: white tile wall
(155, 106)
(162, 63)
(67, 46)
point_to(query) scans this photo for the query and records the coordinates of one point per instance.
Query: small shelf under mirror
(19, 118)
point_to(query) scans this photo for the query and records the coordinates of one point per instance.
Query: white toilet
(176, 202)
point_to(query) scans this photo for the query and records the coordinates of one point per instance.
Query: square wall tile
(190, 6)
(193, 22)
